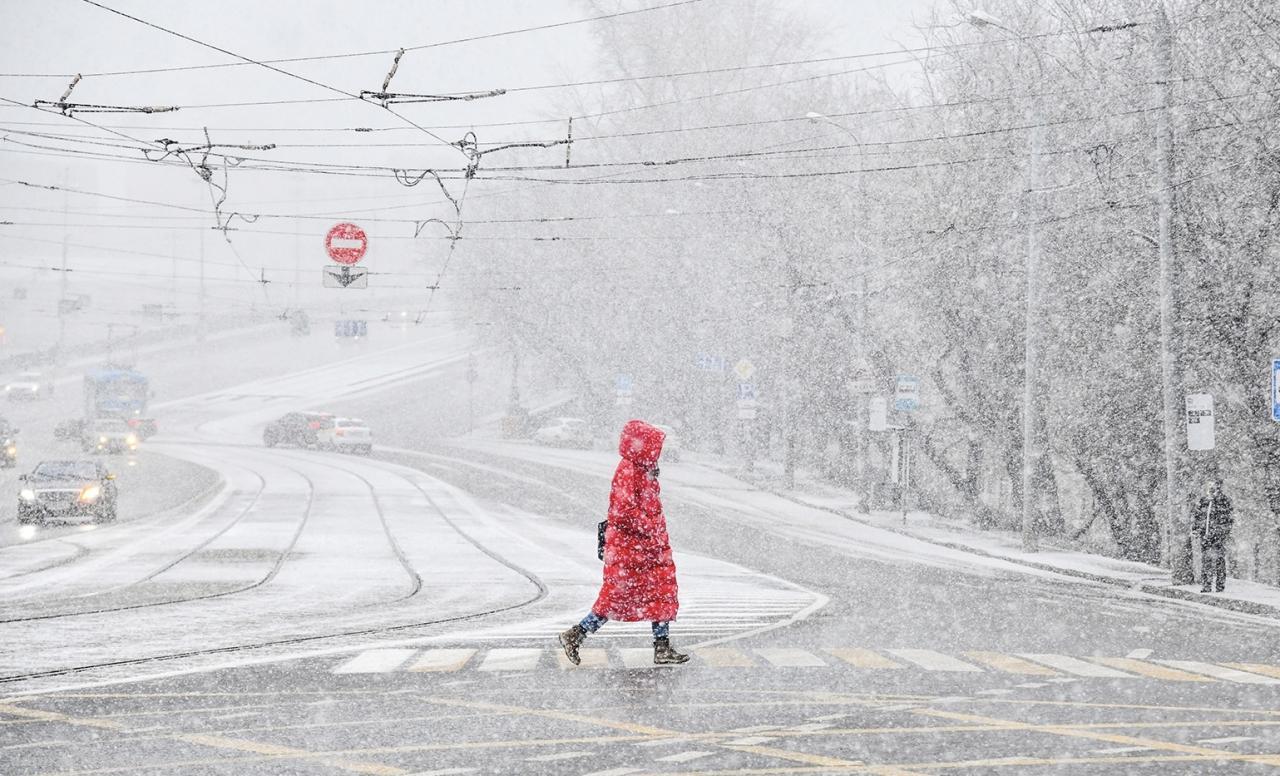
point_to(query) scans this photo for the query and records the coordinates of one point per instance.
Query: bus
(115, 393)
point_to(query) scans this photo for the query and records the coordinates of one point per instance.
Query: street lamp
(1030, 351)
(860, 339)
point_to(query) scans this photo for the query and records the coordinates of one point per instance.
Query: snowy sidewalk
(1240, 595)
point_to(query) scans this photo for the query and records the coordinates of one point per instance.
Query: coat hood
(641, 443)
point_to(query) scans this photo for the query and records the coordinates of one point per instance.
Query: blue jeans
(592, 622)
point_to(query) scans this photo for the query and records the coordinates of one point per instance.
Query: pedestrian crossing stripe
(1055, 668)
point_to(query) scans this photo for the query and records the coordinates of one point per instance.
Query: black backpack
(600, 528)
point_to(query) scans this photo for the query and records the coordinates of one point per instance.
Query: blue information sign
(1275, 389)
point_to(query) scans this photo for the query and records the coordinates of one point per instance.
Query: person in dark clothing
(1211, 522)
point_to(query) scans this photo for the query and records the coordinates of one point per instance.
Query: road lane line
(591, 658)
(723, 657)
(1140, 654)
(556, 757)
(1010, 664)
(375, 661)
(933, 661)
(1150, 669)
(863, 658)
(800, 757)
(563, 716)
(275, 750)
(1112, 738)
(624, 771)
(1226, 740)
(442, 659)
(53, 716)
(1071, 665)
(683, 757)
(791, 658)
(1220, 672)
(751, 741)
(1257, 668)
(511, 660)
(638, 657)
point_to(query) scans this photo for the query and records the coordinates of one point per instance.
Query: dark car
(297, 428)
(67, 490)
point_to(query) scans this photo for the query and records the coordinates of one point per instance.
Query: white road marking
(1122, 750)
(511, 660)
(809, 727)
(1218, 672)
(442, 659)
(375, 661)
(750, 741)
(791, 658)
(994, 692)
(550, 758)
(614, 772)
(1226, 740)
(933, 661)
(443, 772)
(753, 729)
(638, 657)
(684, 757)
(591, 658)
(1031, 685)
(1140, 654)
(1071, 665)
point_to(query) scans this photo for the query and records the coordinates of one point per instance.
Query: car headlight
(11, 450)
(131, 439)
(91, 493)
(27, 494)
(102, 440)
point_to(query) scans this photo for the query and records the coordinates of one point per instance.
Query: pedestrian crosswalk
(1047, 667)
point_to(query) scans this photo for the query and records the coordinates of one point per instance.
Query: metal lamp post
(860, 341)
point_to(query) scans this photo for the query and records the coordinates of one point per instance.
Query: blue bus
(115, 393)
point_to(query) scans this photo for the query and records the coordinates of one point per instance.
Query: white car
(347, 435)
(671, 448)
(564, 432)
(28, 386)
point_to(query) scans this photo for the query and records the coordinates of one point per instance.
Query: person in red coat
(639, 573)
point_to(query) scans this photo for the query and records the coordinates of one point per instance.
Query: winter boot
(664, 655)
(571, 640)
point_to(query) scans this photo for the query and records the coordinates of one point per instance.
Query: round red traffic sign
(346, 243)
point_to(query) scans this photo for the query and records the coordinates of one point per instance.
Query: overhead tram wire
(273, 68)
(351, 55)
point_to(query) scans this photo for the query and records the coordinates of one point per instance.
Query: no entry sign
(346, 243)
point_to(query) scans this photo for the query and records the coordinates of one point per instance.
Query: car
(297, 428)
(348, 435)
(69, 429)
(671, 447)
(8, 445)
(67, 490)
(109, 435)
(28, 386)
(564, 432)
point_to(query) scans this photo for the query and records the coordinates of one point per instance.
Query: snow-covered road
(301, 546)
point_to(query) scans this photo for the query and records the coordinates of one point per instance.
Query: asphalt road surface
(396, 614)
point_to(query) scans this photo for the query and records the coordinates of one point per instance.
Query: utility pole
(200, 332)
(1031, 351)
(62, 281)
(1175, 520)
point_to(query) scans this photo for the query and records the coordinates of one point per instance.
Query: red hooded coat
(639, 574)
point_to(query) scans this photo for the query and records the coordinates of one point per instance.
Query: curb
(1244, 607)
